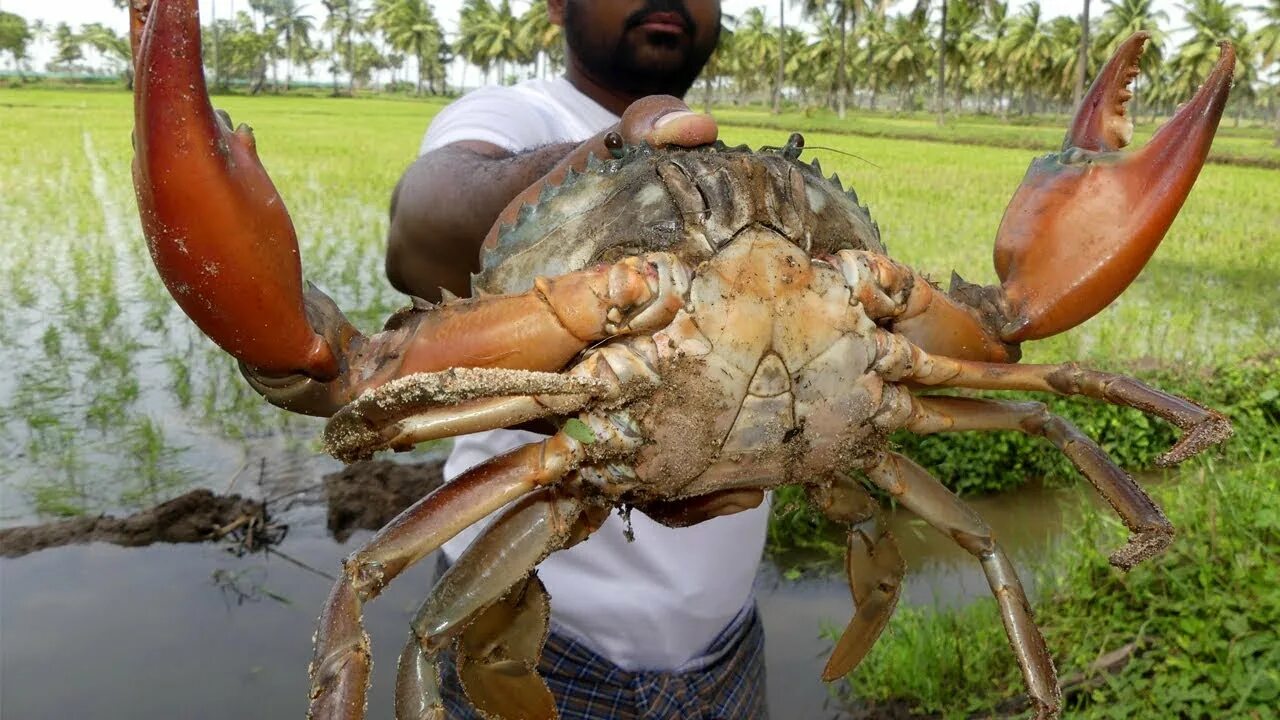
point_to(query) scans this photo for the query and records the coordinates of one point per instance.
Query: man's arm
(448, 200)
(444, 205)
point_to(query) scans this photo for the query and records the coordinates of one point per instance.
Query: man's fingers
(663, 120)
(683, 128)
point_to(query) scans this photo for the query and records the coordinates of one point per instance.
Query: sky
(78, 12)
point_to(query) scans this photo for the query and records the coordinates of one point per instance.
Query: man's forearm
(445, 204)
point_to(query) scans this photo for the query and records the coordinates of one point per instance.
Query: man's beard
(620, 67)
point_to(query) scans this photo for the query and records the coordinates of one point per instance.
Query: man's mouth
(663, 22)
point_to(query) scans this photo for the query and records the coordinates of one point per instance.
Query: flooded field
(112, 402)
(194, 631)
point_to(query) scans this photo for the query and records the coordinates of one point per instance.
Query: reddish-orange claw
(216, 227)
(1086, 220)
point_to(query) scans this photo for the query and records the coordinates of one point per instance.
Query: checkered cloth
(726, 683)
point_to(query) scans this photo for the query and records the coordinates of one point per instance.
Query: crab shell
(638, 202)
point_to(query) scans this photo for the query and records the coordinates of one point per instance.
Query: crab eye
(613, 141)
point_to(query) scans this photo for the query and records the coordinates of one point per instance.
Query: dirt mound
(366, 495)
(197, 516)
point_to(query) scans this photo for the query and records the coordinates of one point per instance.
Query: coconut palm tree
(719, 65)
(1209, 22)
(539, 38)
(755, 46)
(488, 36)
(781, 80)
(1082, 57)
(1029, 51)
(1266, 39)
(1064, 65)
(990, 53)
(1266, 42)
(845, 15)
(67, 51)
(411, 26)
(288, 19)
(815, 62)
(903, 55)
(344, 23)
(957, 40)
(862, 62)
(112, 46)
(15, 36)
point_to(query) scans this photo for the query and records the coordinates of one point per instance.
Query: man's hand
(450, 198)
(660, 120)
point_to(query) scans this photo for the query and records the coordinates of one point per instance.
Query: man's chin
(657, 62)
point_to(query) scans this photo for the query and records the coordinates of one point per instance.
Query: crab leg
(921, 493)
(1202, 428)
(1084, 221)
(873, 567)
(1151, 530)
(499, 642)
(340, 665)
(226, 249)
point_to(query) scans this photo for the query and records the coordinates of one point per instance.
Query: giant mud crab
(702, 325)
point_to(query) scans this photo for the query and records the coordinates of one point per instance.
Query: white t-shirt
(658, 602)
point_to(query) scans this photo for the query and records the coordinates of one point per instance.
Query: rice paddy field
(111, 401)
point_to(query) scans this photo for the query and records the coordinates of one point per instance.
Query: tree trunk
(782, 57)
(288, 60)
(417, 53)
(942, 66)
(351, 63)
(841, 77)
(1082, 61)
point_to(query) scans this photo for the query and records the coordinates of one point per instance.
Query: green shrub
(1203, 617)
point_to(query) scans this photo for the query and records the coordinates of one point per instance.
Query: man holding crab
(664, 627)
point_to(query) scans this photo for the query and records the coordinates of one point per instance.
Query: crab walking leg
(873, 566)
(340, 664)
(1202, 428)
(898, 359)
(497, 660)
(498, 654)
(1151, 530)
(921, 493)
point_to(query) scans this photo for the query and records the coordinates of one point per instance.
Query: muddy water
(99, 631)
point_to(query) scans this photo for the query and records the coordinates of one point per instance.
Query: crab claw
(216, 227)
(1085, 221)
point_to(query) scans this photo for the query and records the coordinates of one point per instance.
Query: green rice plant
(155, 467)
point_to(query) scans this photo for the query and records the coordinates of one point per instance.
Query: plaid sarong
(726, 683)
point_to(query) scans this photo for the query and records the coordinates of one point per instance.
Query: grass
(101, 356)
(1203, 618)
(1239, 145)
